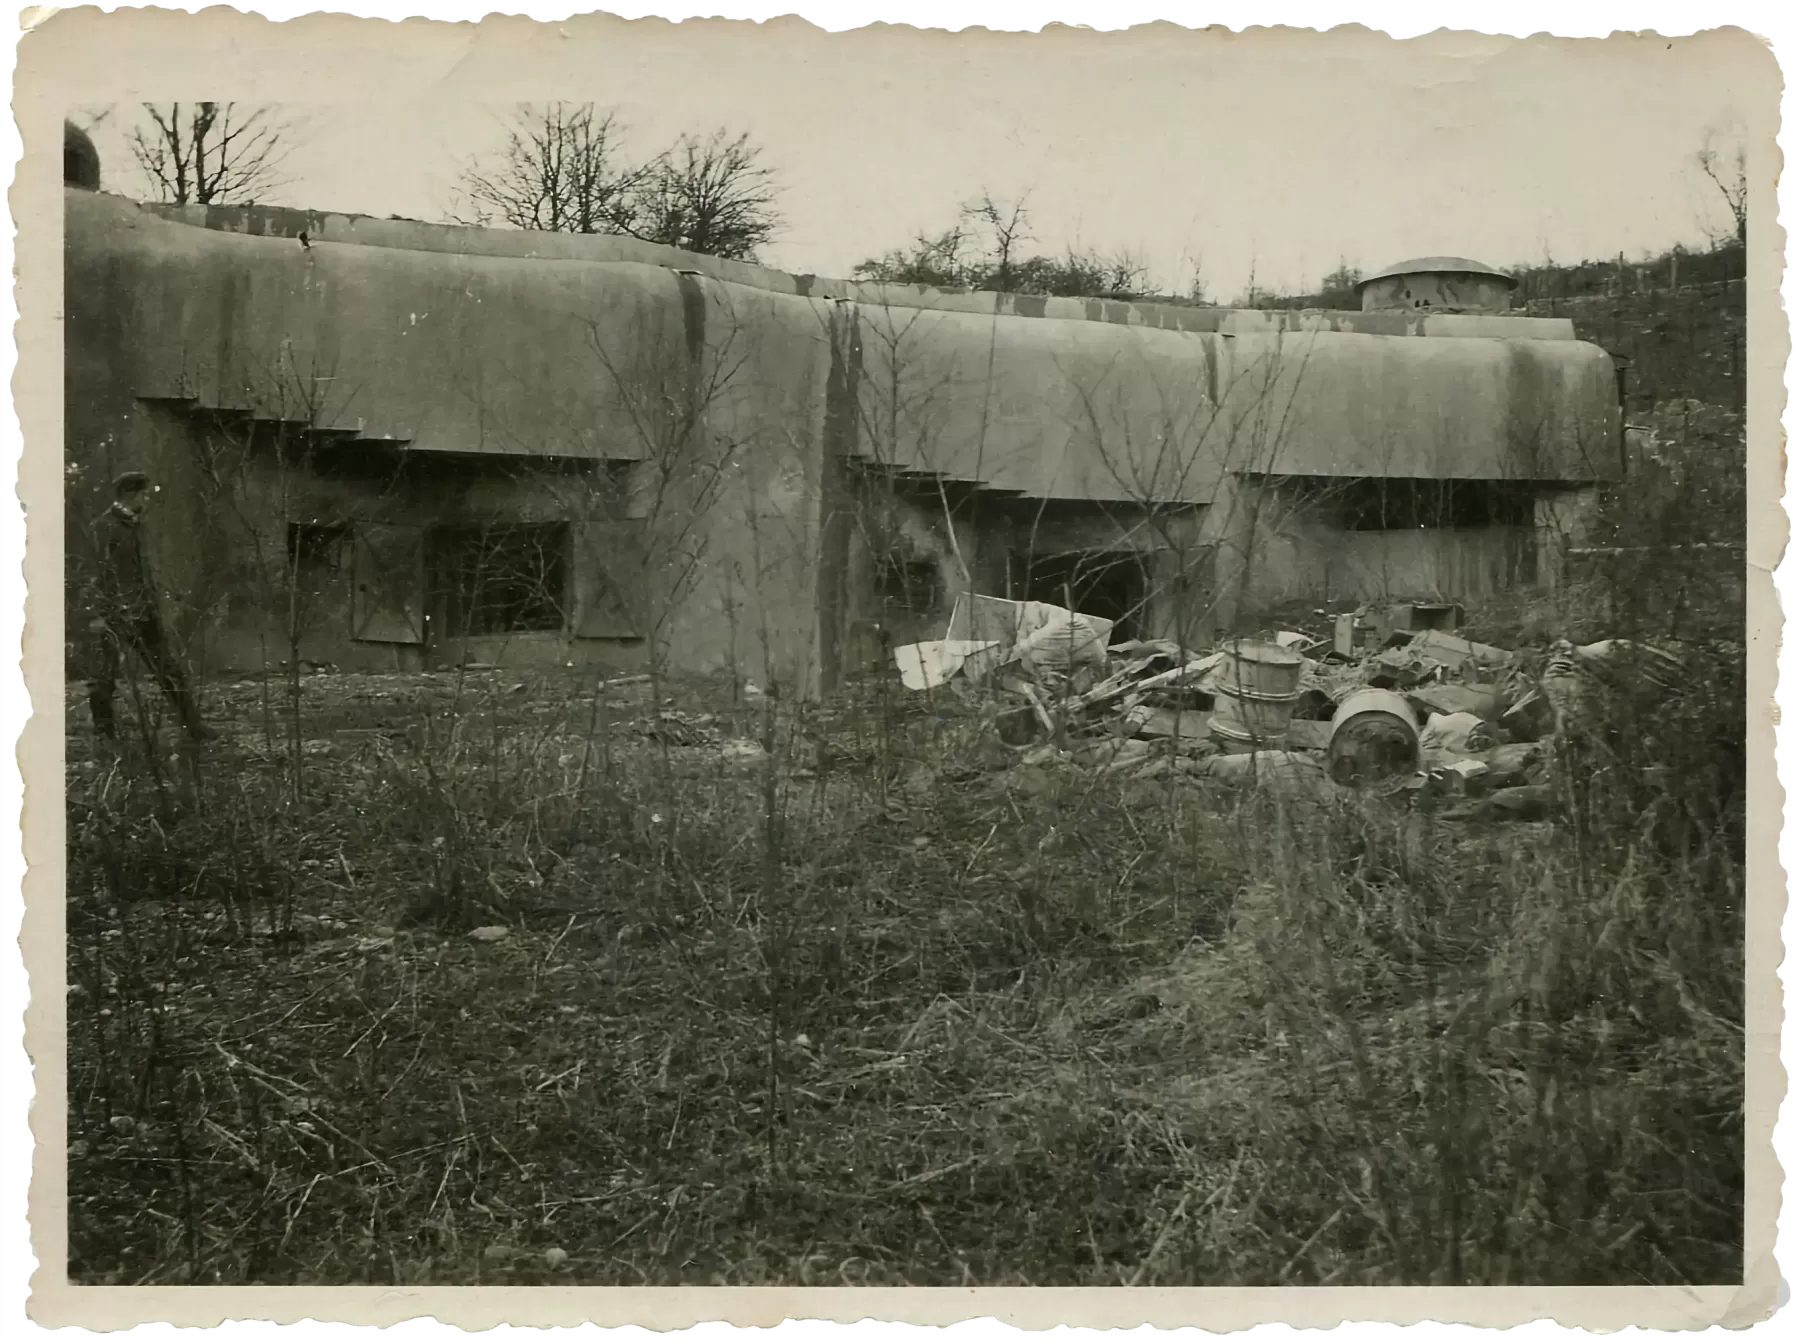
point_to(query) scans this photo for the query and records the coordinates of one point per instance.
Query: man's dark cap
(132, 479)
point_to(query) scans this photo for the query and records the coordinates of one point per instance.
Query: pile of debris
(1395, 700)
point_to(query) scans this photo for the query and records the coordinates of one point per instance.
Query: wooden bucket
(1254, 696)
(1261, 670)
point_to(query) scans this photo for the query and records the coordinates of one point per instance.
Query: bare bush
(984, 251)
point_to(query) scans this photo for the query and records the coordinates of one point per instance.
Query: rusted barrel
(1374, 737)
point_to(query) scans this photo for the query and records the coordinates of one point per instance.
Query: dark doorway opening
(1110, 584)
(908, 586)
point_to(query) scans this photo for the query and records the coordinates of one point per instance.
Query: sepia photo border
(81, 56)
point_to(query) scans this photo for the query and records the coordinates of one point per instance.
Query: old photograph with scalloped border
(789, 680)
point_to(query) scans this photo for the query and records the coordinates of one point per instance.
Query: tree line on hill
(566, 167)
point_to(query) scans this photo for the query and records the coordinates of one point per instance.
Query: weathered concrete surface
(1078, 409)
(1372, 406)
(1271, 549)
(1564, 518)
(711, 397)
(1437, 290)
(737, 402)
(443, 352)
(414, 235)
(426, 346)
(1321, 564)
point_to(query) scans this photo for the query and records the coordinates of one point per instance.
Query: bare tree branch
(711, 195)
(207, 153)
(1728, 174)
(560, 171)
(1009, 222)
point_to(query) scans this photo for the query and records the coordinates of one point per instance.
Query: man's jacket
(124, 591)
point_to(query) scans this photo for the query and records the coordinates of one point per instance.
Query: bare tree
(205, 153)
(710, 194)
(1253, 296)
(254, 523)
(1196, 474)
(1727, 173)
(1008, 223)
(560, 171)
(563, 169)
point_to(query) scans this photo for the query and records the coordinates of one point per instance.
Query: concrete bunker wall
(259, 532)
(271, 546)
(1316, 538)
(707, 397)
(743, 411)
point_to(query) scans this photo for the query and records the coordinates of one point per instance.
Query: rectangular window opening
(316, 547)
(499, 579)
(1416, 504)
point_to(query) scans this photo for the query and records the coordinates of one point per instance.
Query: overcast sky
(1218, 157)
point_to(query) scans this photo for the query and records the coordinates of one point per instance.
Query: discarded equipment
(1417, 708)
(1453, 735)
(1457, 653)
(1370, 628)
(1279, 770)
(1043, 635)
(1374, 738)
(927, 665)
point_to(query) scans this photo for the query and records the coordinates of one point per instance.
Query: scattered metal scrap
(1396, 701)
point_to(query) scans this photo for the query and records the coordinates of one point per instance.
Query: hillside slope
(1679, 344)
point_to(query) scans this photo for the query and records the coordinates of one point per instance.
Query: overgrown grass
(922, 1020)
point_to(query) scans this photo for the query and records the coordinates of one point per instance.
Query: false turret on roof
(1438, 283)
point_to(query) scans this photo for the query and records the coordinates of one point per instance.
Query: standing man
(128, 618)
